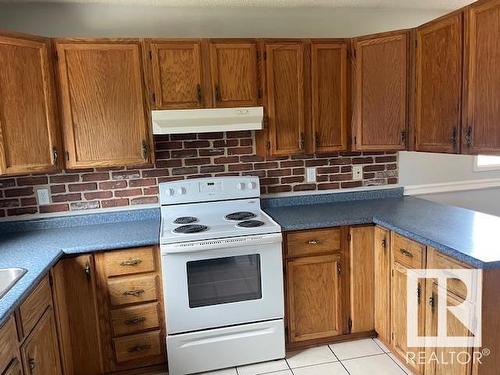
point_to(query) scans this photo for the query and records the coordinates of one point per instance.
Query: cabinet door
(313, 297)
(482, 133)
(382, 284)
(40, 351)
(285, 95)
(234, 74)
(446, 363)
(439, 85)
(29, 140)
(362, 279)
(380, 99)
(77, 319)
(399, 317)
(176, 69)
(14, 368)
(104, 114)
(329, 96)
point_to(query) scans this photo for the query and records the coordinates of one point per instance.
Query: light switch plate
(311, 174)
(357, 172)
(43, 196)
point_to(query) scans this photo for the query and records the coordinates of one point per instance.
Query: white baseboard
(446, 187)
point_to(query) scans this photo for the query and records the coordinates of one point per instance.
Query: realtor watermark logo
(468, 312)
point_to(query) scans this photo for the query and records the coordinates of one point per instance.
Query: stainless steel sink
(9, 277)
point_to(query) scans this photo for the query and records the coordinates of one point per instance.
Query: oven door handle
(222, 243)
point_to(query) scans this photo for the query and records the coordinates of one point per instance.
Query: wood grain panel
(313, 242)
(8, 343)
(135, 319)
(103, 103)
(382, 284)
(133, 289)
(14, 368)
(130, 261)
(177, 74)
(75, 304)
(29, 136)
(381, 93)
(329, 96)
(234, 74)
(362, 286)
(137, 347)
(285, 97)
(40, 352)
(33, 307)
(482, 133)
(439, 85)
(314, 299)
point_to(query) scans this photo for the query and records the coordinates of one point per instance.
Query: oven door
(217, 283)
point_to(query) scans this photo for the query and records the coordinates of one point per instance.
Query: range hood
(175, 121)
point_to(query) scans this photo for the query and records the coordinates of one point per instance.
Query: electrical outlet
(43, 196)
(357, 172)
(311, 174)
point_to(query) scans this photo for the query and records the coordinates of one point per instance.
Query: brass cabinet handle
(136, 320)
(87, 271)
(218, 96)
(146, 150)
(131, 262)
(198, 93)
(313, 242)
(55, 156)
(139, 348)
(135, 293)
(419, 293)
(384, 243)
(31, 363)
(406, 253)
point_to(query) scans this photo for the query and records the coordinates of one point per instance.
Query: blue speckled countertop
(38, 244)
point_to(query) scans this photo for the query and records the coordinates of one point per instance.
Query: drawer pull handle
(135, 293)
(313, 242)
(406, 253)
(131, 262)
(139, 348)
(134, 321)
(31, 363)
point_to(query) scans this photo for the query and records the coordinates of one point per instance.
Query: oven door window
(224, 280)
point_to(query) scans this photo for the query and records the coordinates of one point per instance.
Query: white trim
(332, 191)
(452, 186)
(477, 168)
(79, 212)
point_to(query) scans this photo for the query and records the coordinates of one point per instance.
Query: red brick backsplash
(184, 156)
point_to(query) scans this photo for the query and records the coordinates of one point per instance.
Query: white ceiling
(394, 4)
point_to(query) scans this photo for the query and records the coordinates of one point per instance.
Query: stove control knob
(253, 185)
(181, 191)
(241, 186)
(171, 192)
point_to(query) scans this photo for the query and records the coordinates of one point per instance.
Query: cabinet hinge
(265, 55)
(349, 325)
(150, 55)
(339, 268)
(355, 140)
(268, 145)
(67, 155)
(384, 243)
(392, 335)
(354, 53)
(258, 55)
(392, 273)
(259, 93)
(416, 43)
(51, 279)
(349, 237)
(403, 136)
(154, 98)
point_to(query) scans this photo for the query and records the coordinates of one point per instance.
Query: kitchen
(248, 201)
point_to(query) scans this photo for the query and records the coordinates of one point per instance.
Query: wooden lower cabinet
(14, 368)
(40, 351)
(314, 301)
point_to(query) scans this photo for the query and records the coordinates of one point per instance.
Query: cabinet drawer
(407, 252)
(133, 289)
(436, 260)
(34, 306)
(8, 342)
(135, 319)
(134, 347)
(127, 262)
(317, 241)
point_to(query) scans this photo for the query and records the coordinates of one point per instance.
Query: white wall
(97, 20)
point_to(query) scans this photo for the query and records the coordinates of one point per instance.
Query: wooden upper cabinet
(176, 71)
(481, 130)
(329, 95)
(381, 91)
(103, 103)
(29, 139)
(285, 97)
(439, 85)
(234, 74)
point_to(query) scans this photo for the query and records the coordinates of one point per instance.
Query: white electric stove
(222, 275)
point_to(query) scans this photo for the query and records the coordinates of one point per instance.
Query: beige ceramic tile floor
(361, 357)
